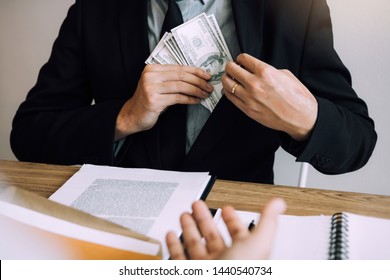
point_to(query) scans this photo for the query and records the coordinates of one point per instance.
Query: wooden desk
(44, 179)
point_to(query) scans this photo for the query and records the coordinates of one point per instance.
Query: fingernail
(280, 205)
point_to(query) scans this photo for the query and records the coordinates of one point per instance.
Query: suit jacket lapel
(213, 131)
(248, 18)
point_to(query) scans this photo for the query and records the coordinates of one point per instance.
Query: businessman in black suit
(96, 102)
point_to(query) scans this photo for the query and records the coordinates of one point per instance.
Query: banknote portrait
(215, 65)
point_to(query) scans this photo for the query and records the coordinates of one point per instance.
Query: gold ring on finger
(233, 90)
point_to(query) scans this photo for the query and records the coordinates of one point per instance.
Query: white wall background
(362, 38)
(27, 31)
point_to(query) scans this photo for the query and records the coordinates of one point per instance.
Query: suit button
(320, 160)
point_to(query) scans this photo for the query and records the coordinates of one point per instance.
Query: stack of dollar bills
(198, 42)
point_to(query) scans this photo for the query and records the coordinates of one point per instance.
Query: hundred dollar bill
(201, 47)
(218, 33)
(216, 52)
(171, 45)
(161, 54)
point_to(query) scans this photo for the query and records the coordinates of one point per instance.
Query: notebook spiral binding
(338, 249)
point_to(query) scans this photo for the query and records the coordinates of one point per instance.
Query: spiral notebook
(341, 236)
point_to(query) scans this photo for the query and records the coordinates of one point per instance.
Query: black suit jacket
(99, 56)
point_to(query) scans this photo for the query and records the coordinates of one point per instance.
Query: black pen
(251, 225)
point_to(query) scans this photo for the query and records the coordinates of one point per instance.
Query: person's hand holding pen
(254, 244)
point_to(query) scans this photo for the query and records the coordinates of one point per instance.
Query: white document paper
(144, 200)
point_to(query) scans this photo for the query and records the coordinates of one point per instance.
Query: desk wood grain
(45, 179)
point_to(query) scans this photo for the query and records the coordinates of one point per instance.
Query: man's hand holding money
(159, 87)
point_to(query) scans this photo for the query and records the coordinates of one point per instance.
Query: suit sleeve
(344, 136)
(59, 122)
